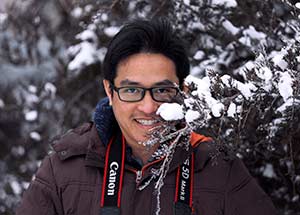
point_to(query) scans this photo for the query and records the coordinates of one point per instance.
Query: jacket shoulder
(73, 142)
(69, 160)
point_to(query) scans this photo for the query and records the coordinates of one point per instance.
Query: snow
(92, 27)
(88, 8)
(203, 91)
(87, 35)
(101, 53)
(239, 155)
(289, 102)
(189, 102)
(44, 46)
(25, 185)
(268, 171)
(230, 27)
(32, 99)
(2, 103)
(35, 136)
(15, 187)
(73, 50)
(203, 85)
(104, 17)
(37, 20)
(196, 26)
(227, 3)
(297, 5)
(77, 12)
(199, 55)
(285, 86)
(231, 110)
(217, 108)
(32, 89)
(111, 31)
(31, 115)
(274, 126)
(251, 34)
(86, 56)
(191, 115)
(278, 59)
(227, 80)
(196, 70)
(2, 196)
(242, 70)
(245, 89)
(3, 17)
(131, 6)
(265, 74)
(51, 88)
(170, 111)
(187, 2)
(295, 198)
(18, 151)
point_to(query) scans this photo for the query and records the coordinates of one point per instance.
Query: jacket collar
(105, 121)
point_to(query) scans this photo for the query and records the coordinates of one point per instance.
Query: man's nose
(147, 104)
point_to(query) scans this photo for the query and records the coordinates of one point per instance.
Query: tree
(51, 72)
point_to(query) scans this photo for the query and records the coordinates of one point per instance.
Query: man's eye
(162, 90)
(131, 90)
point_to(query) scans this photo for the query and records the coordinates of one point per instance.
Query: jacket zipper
(139, 175)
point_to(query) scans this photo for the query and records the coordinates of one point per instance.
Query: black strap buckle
(110, 211)
(181, 208)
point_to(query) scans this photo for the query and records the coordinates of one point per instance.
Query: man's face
(140, 70)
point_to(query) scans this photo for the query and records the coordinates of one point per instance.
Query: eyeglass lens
(160, 94)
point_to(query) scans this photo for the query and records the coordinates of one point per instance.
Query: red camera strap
(113, 176)
(184, 187)
(113, 179)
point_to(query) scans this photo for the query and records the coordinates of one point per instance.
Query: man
(102, 167)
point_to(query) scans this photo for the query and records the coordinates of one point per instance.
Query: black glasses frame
(150, 89)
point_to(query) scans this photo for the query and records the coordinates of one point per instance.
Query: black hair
(146, 36)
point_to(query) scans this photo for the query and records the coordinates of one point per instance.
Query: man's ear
(108, 90)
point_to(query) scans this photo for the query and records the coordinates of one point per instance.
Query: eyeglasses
(135, 94)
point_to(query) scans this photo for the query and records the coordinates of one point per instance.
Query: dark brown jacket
(69, 181)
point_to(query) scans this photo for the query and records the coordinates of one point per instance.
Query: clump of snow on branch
(250, 34)
(170, 111)
(227, 3)
(84, 53)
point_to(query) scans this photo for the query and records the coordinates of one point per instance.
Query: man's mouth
(147, 122)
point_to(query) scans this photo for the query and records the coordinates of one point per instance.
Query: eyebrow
(128, 82)
(160, 83)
